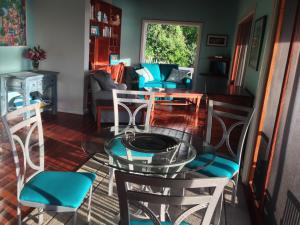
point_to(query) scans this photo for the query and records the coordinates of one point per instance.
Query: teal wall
(211, 13)
(261, 8)
(11, 58)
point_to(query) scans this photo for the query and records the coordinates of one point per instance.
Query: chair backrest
(139, 100)
(242, 117)
(194, 202)
(21, 125)
(291, 214)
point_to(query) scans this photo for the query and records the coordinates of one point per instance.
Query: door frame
(235, 61)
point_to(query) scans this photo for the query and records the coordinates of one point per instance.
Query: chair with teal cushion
(58, 191)
(208, 202)
(122, 98)
(239, 116)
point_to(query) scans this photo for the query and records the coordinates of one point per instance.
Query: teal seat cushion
(154, 84)
(119, 149)
(168, 84)
(154, 69)
(149, 222)
(220, 167)
(57, 188)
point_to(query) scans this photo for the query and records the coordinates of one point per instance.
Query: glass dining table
(153, 150)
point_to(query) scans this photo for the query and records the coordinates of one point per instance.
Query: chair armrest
(188, 82)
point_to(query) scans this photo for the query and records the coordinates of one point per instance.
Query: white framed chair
(138, 101)
(225, 166)
(211, 201)
(46, 190)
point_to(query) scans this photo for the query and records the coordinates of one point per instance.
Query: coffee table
(188, 96)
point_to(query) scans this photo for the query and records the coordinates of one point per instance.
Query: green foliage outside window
(171, 44)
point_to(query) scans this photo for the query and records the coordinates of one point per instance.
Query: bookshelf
(105, 33)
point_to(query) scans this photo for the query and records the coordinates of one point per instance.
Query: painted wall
(211, 13)
(60, 29)
(11, 58)
(261, 8)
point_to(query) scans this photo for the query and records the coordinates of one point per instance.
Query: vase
(35, 65)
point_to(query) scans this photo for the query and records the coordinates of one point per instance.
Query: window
(171, 42)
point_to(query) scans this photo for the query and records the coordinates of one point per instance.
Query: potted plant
(35, 54)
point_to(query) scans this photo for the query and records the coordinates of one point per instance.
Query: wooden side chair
(196, 202)
(46, 190)
(129, 101)
(223, 166)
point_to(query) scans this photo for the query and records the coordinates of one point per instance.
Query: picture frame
(113, 58)
(95, 31)
(217, 40)
(13, 18)
(257, 42)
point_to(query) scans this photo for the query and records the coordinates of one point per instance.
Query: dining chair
(46, 190)
(129, 101)
(221, 166)
(210, 202)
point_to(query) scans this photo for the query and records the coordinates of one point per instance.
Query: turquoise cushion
(119, 150)
(154, 69)
(149, 222)
(154, 84)
(220, 167)
(168, 84)
(57, 188)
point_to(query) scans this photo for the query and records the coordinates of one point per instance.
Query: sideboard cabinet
(28, 87)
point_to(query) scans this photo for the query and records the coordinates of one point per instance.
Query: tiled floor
(105, 209)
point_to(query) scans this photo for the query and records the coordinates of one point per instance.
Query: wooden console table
(42, 83)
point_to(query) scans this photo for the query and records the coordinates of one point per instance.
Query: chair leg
(111, 181)
(75, 218)
(218, 213)
(41, 216)
(19, 214)
(89, 205)
(234, 190)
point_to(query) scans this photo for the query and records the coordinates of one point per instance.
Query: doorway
(241, 52)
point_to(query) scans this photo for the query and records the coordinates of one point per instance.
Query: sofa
(101, 85)
(160, 74)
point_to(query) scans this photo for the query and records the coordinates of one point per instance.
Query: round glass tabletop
(155, 150)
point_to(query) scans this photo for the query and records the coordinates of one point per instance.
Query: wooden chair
(122, 99)
(223, 166)
(140, 200)
(46, 190)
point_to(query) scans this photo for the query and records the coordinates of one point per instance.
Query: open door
(241, 50)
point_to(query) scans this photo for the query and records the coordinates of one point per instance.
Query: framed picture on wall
(217, 40)
(12, 23)
(257, 41)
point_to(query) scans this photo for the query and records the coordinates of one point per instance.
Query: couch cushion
(177, 76)
(154, 84)
(154, 70)
(146, 74)
(167, 84)
(57, 188)
(105, 81)
(165, 70)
